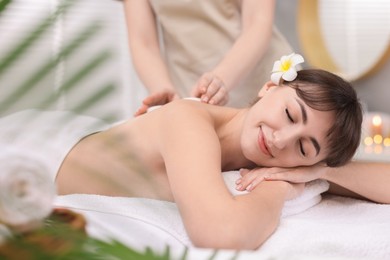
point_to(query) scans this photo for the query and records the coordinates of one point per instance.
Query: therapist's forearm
(151, 69)
(256, 32)
(241, 60)
(145, 47)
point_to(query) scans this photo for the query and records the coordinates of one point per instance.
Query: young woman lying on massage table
(179, 151)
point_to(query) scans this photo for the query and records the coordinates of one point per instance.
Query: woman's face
(281, 130)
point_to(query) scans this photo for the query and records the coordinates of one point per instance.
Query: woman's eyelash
(292, 120)
(289, 116)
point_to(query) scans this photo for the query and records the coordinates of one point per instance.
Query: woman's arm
(362, 180)
(212, 216)
(257, 22)
(369, 180)
(145, 48)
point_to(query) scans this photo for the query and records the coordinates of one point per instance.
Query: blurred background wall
(374, 90)
(97, 65)
(21, 15)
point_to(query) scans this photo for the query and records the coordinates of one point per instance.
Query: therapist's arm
(145, 48)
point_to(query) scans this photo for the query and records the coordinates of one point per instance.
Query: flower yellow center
(286, 65)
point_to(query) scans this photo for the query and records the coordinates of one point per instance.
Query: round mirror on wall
(348, 37)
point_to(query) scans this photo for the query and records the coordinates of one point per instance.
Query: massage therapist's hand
(156, 99)
(251, 178)
(211, 89)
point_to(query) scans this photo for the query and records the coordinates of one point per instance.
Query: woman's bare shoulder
(195, 110)
(185, 106)
(184, 124)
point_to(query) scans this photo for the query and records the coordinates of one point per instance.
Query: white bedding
(334, 227)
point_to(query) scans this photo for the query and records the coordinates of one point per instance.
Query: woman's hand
(251, 178)
(211, 89)
(156, 99)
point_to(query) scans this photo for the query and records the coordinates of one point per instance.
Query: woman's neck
(230, 137)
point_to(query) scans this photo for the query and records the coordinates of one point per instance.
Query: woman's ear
(264, 90)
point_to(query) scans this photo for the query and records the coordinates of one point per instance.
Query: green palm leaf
(32, 37)
(3, 4)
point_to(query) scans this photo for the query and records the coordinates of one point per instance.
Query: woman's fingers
(280, 176)
(243, 172)
(249, 180)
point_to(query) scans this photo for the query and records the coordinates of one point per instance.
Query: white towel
(310, 196)
(119, 216)
(26, 189)
(136, 221)
(337, 228)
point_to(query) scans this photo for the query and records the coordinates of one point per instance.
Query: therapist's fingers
(156, 99)
(141, 110)
(211, 89)
(150, 101)
(216, 92)
(216, 95)
(160, 98)
(201, 85)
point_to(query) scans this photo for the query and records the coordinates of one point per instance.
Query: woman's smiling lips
(262, 143)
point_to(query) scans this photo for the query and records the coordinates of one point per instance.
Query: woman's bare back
(117, 162)
(127, 159)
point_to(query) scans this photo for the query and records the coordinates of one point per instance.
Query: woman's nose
(281, 138)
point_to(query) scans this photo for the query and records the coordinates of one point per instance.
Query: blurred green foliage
(30, 82)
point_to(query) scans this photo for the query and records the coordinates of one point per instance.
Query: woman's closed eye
(289, 115)
(291, 119)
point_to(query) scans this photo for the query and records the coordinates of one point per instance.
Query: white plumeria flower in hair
(285, 68)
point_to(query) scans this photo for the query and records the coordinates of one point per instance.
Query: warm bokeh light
(376, 120)
(375, 136)
(368, 141)
(378, 139)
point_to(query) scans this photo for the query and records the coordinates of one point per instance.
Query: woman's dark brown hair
(325, 91)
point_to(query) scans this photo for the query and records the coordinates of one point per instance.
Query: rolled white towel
(26, 189)
(309, 198)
